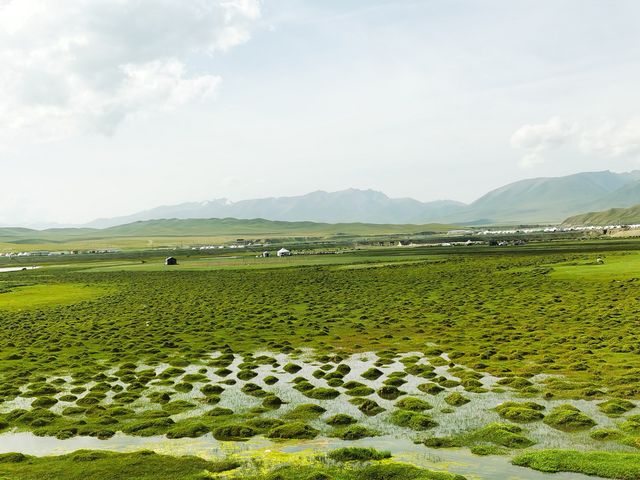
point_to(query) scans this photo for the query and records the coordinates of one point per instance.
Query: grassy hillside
(174, 232)
(541, 200)
(613, 216)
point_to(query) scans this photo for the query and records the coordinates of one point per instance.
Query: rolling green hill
(540, 200)
(259, 226)
(613, 216)
(191, 230)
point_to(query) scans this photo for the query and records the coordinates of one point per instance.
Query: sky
(108, 107)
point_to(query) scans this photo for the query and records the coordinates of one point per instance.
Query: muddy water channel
(279, 375)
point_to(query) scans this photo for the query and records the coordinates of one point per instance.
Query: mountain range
(536, 200)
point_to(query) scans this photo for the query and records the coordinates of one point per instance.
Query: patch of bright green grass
(99, 465)
(617, 465)
(46, 295)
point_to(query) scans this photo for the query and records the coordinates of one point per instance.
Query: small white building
(283, 252)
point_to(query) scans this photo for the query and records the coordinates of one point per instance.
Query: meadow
(516, 359)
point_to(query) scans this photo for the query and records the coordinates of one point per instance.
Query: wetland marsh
(459, 363)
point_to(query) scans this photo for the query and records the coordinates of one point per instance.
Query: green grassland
(37, 296)
(603, 464)
(179, 233)
(614, 267)
(344, 464)
(513, 346)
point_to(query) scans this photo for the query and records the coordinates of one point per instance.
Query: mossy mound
(292, 368)
(177, 406)
(246, 374)
(515, 382)
(235, 433)
(306, 411)
(322, 393)
(367, 406)
(44, 402)
(631, 425)
(360, 391)
(389, 392)
(183, 387)
(340, 420)
(413, 404)
(430, 388)
(568, 418)
(372, 374)
(219, 412)
(211, 389)
(188, 428)
(412, 420)
(272, 402)
(606, 434)
(442, 442)
(351, 454)
(503, 434)
(395, 381)
(263, 424)
(456, 399)
(616, 407)
(353, 432)
(483, 450)
(148, 428)
(520, 412)
(295, 430)
(253, 390)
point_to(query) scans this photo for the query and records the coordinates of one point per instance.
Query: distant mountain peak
(534, 200)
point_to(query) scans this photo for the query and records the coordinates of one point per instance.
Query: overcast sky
(108, 107)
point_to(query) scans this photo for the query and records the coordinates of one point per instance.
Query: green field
(37, 296)
(174, 233)
(478, 353)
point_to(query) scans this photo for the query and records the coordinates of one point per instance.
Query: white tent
(283, 252)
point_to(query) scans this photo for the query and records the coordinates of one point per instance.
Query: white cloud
(543, 136)
(536, 139)
(88, 64)
(608, 139)
(612, 140)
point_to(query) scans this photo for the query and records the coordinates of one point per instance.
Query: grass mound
(357, 454)
(353, 432)
(412, 420)
(295, 430)
(367, 406)
(520, 412)
(456, 399)
(616, 465)
(430, 388)
(233, 433)
(616, 407)
(340, 420)
(503, 434)
(568, 418)
(306, 411)
(413, 404)
(372, 374)
(322, 393)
